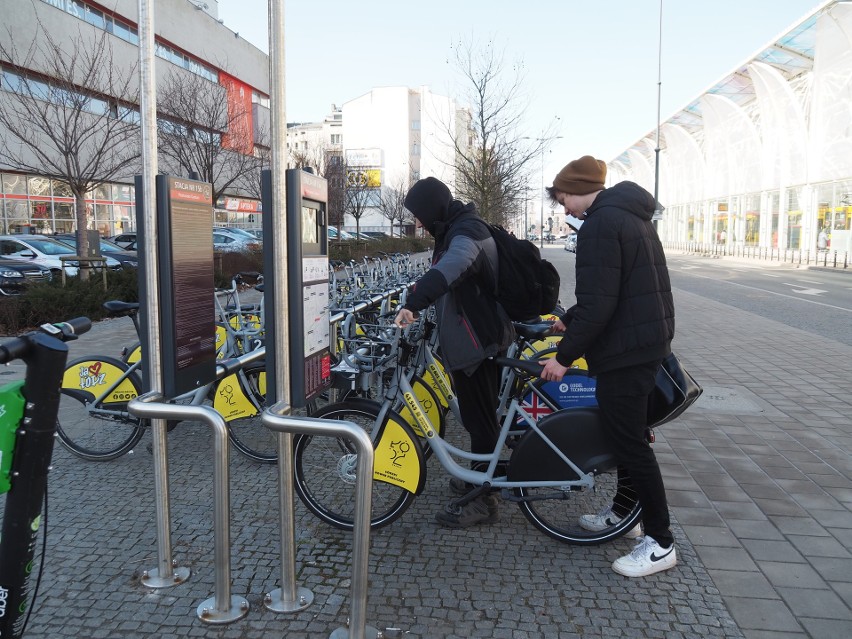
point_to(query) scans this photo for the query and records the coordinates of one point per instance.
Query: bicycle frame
(446, 452)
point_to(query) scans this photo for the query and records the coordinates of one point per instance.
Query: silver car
(43, 251)
(571, 243)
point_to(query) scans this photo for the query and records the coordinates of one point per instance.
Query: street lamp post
(541, 217)
(541, 213)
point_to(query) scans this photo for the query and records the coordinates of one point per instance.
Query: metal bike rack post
(223, 607)
(275, 419)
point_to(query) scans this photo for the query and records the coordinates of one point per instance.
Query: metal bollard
(222, 607)
(275, 419)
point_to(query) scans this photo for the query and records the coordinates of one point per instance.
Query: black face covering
(429, 200)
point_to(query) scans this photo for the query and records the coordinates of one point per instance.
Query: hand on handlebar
(558, 326)
(405, 317)
(552, 371)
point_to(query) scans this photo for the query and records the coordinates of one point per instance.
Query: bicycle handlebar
(18, 347)
(530, 366)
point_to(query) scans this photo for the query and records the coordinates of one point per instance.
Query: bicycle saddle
(533, 331)
(119, 308)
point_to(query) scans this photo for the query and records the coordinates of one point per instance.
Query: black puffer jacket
(624, 313)
(461, 283)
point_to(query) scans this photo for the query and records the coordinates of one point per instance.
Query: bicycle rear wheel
(102, 431)
(556, 512)
(325, 472)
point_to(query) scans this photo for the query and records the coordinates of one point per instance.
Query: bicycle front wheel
(97, 428)
(325, 472)
(557, 512)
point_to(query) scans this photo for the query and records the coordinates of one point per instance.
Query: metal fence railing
(825, 258)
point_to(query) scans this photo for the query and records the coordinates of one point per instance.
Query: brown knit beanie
(581, 177)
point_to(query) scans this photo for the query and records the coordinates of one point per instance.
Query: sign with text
(185, 224)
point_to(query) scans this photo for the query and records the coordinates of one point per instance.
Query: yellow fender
(231, 401)
(93, 376)
(427, 403)
(398, 457)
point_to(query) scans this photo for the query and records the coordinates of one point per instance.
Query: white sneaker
(606, 519)
(646, 558)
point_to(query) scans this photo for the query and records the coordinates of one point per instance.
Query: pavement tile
(762, 614)
(819, 604)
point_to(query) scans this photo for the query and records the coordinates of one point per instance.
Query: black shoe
(482, 510)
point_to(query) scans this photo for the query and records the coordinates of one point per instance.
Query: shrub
(52, 302)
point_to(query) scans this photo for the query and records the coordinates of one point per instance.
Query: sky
(591, 70)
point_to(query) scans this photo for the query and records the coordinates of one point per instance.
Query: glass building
(764, 157)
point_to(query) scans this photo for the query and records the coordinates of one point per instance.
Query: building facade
(190, 42)
(393, 136)
(763, 158)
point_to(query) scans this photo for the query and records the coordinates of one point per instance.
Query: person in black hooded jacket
(623, 322)
(472, 326)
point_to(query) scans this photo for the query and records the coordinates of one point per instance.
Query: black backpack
(527, 286)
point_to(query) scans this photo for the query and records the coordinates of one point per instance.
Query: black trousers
(622, 396)
(477, 397)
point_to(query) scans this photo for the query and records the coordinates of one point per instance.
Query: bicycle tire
(325, 472)
(558, 516)
(97, 436)
(248, 435)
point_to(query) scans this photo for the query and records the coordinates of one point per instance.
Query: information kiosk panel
(185, 250)
(308, 357)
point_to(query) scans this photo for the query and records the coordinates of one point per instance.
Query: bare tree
(359, 195)
(75, 120)
(494, 170)
(202, 131)
(392, 203)
(335, 173)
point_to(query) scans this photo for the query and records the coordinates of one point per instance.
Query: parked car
(237, 231)
(17, 275)
(123, 240)
(228, 240)
(125, 257)
(376, 235)
(44, 251)
(334, 234)
(571, 243)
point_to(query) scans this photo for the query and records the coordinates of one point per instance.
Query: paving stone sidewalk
(758, 475)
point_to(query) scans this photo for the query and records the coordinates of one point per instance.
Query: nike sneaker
(607, 519)
(646, 558)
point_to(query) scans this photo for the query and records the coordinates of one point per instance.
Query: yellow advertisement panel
(96, 376)
(399, 459)
(231, 401)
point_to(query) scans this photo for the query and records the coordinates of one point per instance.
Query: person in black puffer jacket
(623, 322)
(472, 325)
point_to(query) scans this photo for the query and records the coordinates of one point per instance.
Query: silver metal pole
(541, 194)
(287, 598)
(223, 607)
(274, 419)
(166, 573)
(659, 93)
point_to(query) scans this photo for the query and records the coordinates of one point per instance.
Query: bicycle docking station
(307, 338)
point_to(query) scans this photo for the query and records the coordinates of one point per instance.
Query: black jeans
(622, 396)
(477, 397)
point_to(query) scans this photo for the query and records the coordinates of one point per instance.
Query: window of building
(61, 189)
(415, 149)
(39, 186)
(259, 98)
(14, 184)
(336, 138)
(415, 125)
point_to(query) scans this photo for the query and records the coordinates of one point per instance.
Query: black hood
(627, 196)
(429, 201)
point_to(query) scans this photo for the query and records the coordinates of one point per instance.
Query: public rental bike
(95, 424)
(558, 467)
